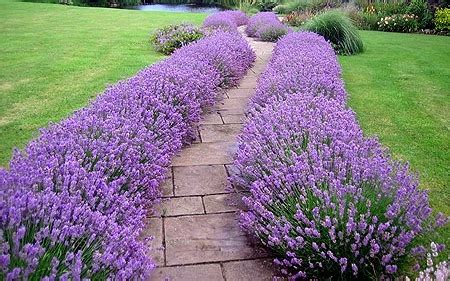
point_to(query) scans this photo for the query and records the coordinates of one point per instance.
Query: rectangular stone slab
(200, 180)
(178, 206)
(206, 238)
(215, 133)
(200, 272)
(261, 270)
(206, 154)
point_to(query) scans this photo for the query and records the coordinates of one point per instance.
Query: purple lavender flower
(73, 202)
(323, 191)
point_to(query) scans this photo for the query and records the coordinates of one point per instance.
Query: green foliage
(266, 5)
(442, 19)
(92, 3)
(339, 30)
(423, 13)
(167, 39)
(399, 23)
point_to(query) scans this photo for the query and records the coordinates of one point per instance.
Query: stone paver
(206, 154)
(200, 180)
(216, 133)
(202, 272)
(257, 270)
(197, 235)
(219, 203)
(233, 118)
(178, 206)
(154, 227)
(207, 238)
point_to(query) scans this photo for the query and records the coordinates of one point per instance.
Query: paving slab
(167, 185)
(250, 270)
(206, 238)
(178, 206)
(216, 133)
(219, 203)
(233, 118)
(200, 180)
(201, 272)
(233, 105)
(211, 118)
(206, 154)
(154, 228)
(240, 93)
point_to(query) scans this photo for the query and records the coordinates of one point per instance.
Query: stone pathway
(197, 236)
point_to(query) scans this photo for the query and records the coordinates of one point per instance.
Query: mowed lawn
(55, 58)
(400, 90)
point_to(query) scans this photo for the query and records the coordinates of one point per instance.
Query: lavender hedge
(266, 26)
(328, 201)
(228, 20)
(72, 203)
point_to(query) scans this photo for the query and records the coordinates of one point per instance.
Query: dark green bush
(423, 13)
(339, 30)
(167, 39)
(266, 5)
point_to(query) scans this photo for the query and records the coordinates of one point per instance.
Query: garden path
(197, 236)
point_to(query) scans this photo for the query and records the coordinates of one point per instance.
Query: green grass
(400, 90)
(55, 58)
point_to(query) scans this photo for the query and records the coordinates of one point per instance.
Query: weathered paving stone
(215, 133)
(200, 180)
(206, 154)
(250, 82)
(261, 270)
(233, 118)
(201, 272)
(233, 105)
(206, 238)
(240, 93)
(219, 203)
(167, 185)
(153, 227)
(211, 118)
(178, 206)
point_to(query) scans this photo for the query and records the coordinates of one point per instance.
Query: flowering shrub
(399, 23)
(442, 19)
(228, 20)
(266, 26)
(329, 202)
(167, 39)
(72, 203)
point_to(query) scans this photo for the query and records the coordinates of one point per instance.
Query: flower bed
(326, 200)
(72, 203)
(266, 26)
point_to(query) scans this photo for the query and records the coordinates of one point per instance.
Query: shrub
(266, 26)
(228, 20)
(329, 202)
(442, 19)
(266, 5)
(74, 200)
(167, 39)
(297, 18)
(399, 23)
(339, 30)
(272, 33)
(419, 8)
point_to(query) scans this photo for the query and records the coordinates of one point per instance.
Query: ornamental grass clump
(73, 202)
(167, 39)
(338, 29)
(328, 201)
(266, 26)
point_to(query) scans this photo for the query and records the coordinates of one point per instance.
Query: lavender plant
(228, 20)
(329, 202)
(72, 203)
(266, 26)
(167, 39)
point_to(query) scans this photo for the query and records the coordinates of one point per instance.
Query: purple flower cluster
(327, 200)
(72, 203)
(228, 20)
(266, 26)
(169, 38)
